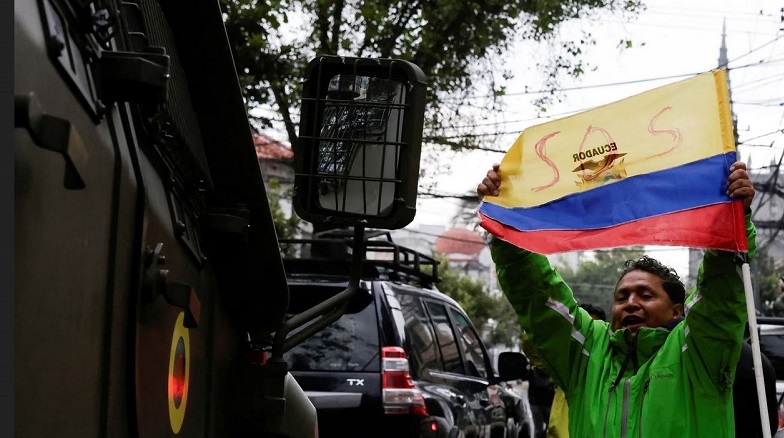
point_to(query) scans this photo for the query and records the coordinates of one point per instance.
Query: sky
(671, 40)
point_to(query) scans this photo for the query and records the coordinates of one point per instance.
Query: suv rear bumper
(354, 423)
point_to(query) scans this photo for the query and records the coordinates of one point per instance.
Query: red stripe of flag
(719, 226)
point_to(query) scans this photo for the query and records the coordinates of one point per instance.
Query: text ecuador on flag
(649, 169)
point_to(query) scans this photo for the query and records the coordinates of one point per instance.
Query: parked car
(404, 360)
(771, 335)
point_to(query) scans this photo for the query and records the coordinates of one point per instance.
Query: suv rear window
(349, 344)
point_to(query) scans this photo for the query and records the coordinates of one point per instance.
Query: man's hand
(490, 185)
(739, 185)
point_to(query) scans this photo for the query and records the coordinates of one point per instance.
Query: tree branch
(322, 26)
(398, 27)
(281, 99)
(337, 21)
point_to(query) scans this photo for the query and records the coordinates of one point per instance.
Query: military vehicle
(150, 294)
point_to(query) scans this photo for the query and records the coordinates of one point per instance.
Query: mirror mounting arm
(328, 311)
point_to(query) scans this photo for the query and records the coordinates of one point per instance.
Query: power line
(763, 135)
(578, 88)
(639, 81)
(754, 50)
(753, 85)
(441, 236)
(444, 139)
(706, 13)
(445, 142)
(769, 146)
(696, 29)
(467, 197)
(760, 104)
(587, 87)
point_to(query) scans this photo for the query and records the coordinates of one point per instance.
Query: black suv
(404, 360)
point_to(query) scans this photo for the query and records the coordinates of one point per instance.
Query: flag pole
(755, 346)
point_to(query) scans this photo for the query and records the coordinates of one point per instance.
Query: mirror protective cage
(357, 158)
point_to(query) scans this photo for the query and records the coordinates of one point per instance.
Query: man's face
(640, 301)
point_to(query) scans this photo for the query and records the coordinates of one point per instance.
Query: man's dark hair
(671, 282)
(595, 311)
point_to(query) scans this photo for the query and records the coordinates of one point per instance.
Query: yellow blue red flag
(649, 169)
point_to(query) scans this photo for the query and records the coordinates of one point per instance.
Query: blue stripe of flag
(675, 189)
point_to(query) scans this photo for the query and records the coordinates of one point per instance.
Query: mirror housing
(357, 158)
(512, 366)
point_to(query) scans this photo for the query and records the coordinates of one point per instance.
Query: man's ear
(677, 310)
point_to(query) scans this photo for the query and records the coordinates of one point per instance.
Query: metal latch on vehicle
(54, 134)
(177, 294)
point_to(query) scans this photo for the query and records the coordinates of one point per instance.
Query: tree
(769, 284)
(472, 294)
(594, 280)
(505, 328)
(286, 226)
(459, 45)
(491, 314)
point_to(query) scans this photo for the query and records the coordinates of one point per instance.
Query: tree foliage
(286, 226)
(506, 328)
(459, 44)
(769, 283)
(491, 314)
(472, 294)
(594, 280)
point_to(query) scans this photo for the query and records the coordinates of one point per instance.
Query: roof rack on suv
(330, 254)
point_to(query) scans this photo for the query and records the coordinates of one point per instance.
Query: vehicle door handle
(156, 282)
(54, 134)
(184, 296)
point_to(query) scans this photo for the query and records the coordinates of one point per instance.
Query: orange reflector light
(177, 376)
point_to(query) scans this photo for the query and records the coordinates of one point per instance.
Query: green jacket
(679, 382)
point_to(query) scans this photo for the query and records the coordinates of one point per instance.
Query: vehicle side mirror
(512, 366)
(357, 158)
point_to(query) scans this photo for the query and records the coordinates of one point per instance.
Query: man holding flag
(663, 366)
(658, 168)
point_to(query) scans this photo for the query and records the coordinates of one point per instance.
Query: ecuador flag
(649, 169)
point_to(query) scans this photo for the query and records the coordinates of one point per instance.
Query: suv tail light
(399, 393)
